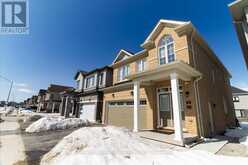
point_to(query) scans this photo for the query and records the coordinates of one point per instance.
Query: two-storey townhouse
(240, 100)
(68, 106)
(239, 11)
(41, 100)
(90, 96)
(175, 83)
(53, 97)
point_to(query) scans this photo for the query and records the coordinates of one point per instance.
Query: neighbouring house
(41, 100)
(175, 83)
(239, 11)
(68, 106)
(53, 97)
(31, 102)
(240, 100)
(89, 89)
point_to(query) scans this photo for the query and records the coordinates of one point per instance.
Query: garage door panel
(88, 112)
(123, 117)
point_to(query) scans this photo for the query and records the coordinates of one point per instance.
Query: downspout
(196, 88)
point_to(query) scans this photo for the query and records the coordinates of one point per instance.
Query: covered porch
(174, 73)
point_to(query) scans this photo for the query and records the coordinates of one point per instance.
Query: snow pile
(241, 133)
(55, 123)
(117, 146)
(7, 110)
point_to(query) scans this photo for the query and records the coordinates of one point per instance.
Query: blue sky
(69, 35)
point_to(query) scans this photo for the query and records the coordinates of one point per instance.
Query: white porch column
(53, 107)
(66, 114)
(136, 99)
(176, 103)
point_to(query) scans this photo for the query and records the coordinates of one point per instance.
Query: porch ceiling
(163, 72)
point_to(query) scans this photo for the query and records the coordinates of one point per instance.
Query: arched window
(166, 50)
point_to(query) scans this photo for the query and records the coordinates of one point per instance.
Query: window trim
(236, 99)
(166, 50)
(103, 78)
(120, 72)
(124, 103)
(143, 62)
(92, 83)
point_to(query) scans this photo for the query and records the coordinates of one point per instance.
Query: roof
(238, 9)
(79, 72)
(42, 91)
(132, 58)
(57, 88)
(98, 70)
(189, 27)
(236, 90)
(159, 26)
(122, 53)
(184, 71)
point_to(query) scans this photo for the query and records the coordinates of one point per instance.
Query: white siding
(243, 102)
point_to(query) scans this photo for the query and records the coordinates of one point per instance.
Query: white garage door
(88, 112)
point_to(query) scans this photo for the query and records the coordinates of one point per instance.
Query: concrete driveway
(11, 144)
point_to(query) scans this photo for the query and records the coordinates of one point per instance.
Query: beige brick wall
(181, 51)
(213, 89)
(181, 48)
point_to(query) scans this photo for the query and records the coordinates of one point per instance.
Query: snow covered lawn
(55, 123)
(241, 133)
(117, 146)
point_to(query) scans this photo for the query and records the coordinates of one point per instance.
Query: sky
(66, 36)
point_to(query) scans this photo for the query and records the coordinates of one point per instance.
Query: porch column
(136, 100)
(176, 103)
(53, 107)
(66, 114)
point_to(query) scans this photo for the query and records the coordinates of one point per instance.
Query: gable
(79, 74)
(159, 27)
(122, 55)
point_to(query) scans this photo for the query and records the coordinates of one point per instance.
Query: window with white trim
(166, 52)
(90, 81)
(141, 65)
(101, 76)
(126, 103)
(123, 72)
(78, 84)
(235, 99)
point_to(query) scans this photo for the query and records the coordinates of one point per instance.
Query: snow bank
(55, 123)
(241, 133)
(117, 146)
(7, 110)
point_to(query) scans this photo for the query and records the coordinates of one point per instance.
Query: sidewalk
(11, 144)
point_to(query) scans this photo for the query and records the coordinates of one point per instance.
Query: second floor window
(101, 79)
(166, 52)
(140, 65)
(90, 81)
(78, 84)
(235, 99)
(123, 72)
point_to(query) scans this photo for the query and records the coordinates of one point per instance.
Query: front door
(165, 110)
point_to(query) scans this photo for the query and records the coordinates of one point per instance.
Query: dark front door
(165, 110)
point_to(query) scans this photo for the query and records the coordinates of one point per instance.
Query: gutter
(196, 88)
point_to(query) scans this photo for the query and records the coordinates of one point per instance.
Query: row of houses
(48, 100)
(175, 83)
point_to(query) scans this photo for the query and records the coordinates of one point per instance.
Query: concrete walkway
(11, 144)
(211, 145)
